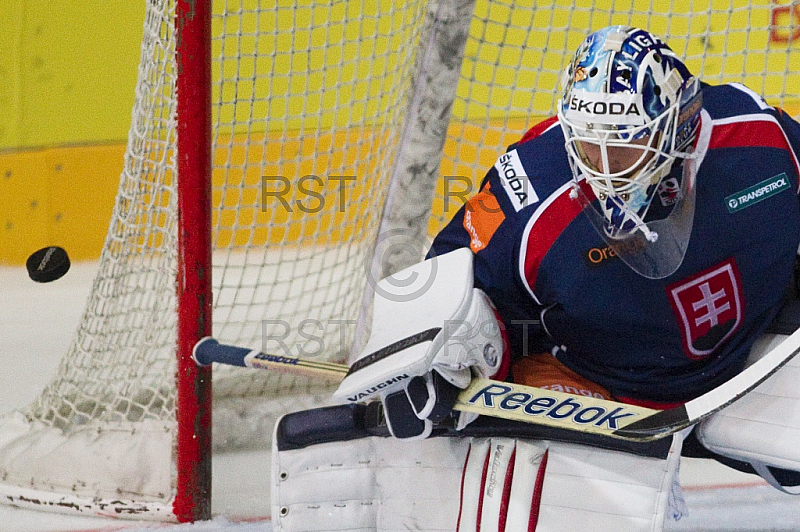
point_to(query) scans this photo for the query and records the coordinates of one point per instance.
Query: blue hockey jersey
(558, 287)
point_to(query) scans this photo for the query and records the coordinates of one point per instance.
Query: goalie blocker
(432, 333)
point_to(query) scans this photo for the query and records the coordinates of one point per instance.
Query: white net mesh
(307, 105)
(309, 101)
(116, 367)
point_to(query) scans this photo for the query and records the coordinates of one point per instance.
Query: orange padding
(545, 371)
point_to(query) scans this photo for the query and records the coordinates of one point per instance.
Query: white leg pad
(558, 486)
(438, 484)
(763, 427)
(368, 484)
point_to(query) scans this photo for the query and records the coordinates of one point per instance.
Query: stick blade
(658, 425)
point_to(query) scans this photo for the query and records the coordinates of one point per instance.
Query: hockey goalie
(638, 247)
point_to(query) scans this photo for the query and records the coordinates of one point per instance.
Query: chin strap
(639, 223)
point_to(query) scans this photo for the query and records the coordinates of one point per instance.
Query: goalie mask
(630, 109)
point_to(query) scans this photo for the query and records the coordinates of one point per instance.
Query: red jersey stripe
(549, 221)
(538, 129)
(745, 134)
(757, 131)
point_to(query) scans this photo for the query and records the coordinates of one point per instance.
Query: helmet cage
(625, 85)
(626, 193)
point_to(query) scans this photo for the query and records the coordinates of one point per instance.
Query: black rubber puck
(48, 264)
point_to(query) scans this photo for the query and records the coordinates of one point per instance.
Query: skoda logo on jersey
(515, 181)
(621, 108)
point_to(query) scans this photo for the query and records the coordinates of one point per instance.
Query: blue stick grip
(209, 350)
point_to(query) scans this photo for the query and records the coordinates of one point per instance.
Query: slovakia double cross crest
(709, 307)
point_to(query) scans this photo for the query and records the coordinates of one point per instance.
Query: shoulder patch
(514, 181)
(753, 130)
(482, 217)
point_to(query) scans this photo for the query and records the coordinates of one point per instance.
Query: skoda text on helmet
(630, 108)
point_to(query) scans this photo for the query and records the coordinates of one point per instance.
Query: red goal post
(194, 290)
(279, 159)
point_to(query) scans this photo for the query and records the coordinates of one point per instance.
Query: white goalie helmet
(630, 109)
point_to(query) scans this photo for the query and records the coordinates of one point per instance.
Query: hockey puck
(48, 264)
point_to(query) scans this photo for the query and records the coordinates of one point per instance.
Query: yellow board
(57, 196)
(67, 71)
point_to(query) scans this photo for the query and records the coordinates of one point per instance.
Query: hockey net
(344, 135)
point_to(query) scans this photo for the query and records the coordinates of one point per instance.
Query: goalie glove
(427, 344)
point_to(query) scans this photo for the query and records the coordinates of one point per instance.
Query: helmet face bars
(629, 109)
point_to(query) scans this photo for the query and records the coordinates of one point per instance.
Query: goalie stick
(536, 405)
